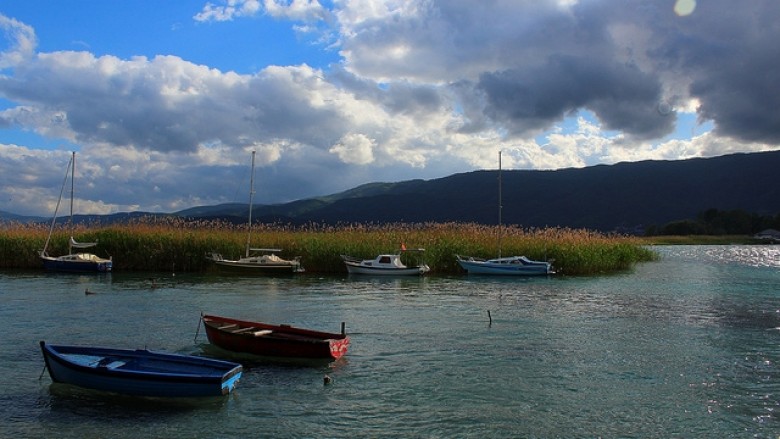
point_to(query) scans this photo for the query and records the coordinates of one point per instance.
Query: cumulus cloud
(355, 149)
(22, 41)
(228, 10)
(526, 65)
(734, 66)
(423, 89)
(296, 10)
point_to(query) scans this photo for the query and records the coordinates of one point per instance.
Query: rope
(197, 331)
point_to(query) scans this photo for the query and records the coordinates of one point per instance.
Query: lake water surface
(688, 346)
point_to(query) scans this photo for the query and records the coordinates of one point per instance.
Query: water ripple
(688, 346)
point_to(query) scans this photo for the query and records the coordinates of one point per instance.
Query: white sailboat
(257, 260)
(79, 261)
(510, 265)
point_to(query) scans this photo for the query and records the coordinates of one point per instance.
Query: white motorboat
(384, 265)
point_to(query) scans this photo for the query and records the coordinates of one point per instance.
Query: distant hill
(8, 216)
(604, 197)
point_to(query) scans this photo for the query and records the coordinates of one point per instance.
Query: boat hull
(237, 266)
(140, 372)
(98, 265)
(515, 266)
(265, 264)
(383, 265)
(356, 268)
(273, 340)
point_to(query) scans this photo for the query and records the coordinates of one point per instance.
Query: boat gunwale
(210, 322)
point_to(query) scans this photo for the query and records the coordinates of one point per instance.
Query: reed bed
(172, 243)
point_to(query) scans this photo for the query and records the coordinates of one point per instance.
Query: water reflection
(747, 255)
(87, 402)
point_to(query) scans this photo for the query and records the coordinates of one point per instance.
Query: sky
(164, 101)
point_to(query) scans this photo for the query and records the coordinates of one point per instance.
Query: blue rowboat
(140, 372)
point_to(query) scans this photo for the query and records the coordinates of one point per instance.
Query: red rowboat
(274, 340)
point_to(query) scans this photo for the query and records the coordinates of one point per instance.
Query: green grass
(174, 244)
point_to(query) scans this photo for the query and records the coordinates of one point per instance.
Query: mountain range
(604, 197)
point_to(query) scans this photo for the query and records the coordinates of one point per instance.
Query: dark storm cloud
(397, 96)
(732, 55)
(623, 97)
(633, 63)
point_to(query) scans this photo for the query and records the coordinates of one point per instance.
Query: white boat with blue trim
(385, 265)
(510, 265)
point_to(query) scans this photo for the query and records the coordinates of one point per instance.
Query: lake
(688, 346)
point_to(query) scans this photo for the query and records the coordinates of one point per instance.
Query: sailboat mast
(251, 200)
(72, 190)
(500, 204)
(57, 209)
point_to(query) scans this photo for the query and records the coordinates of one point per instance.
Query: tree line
(718, 222)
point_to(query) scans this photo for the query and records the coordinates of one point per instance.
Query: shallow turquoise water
(685, 347)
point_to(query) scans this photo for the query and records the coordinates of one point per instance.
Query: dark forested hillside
(602, 197)
(605, 197)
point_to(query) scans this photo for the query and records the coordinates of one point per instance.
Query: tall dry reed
(172, 243)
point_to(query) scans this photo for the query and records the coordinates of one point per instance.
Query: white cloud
(355, 149)
(229, 10)
(22, 42)
(424, 89)
(296, 10)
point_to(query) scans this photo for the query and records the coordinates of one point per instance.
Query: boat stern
(339, 347)
(230, 380)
